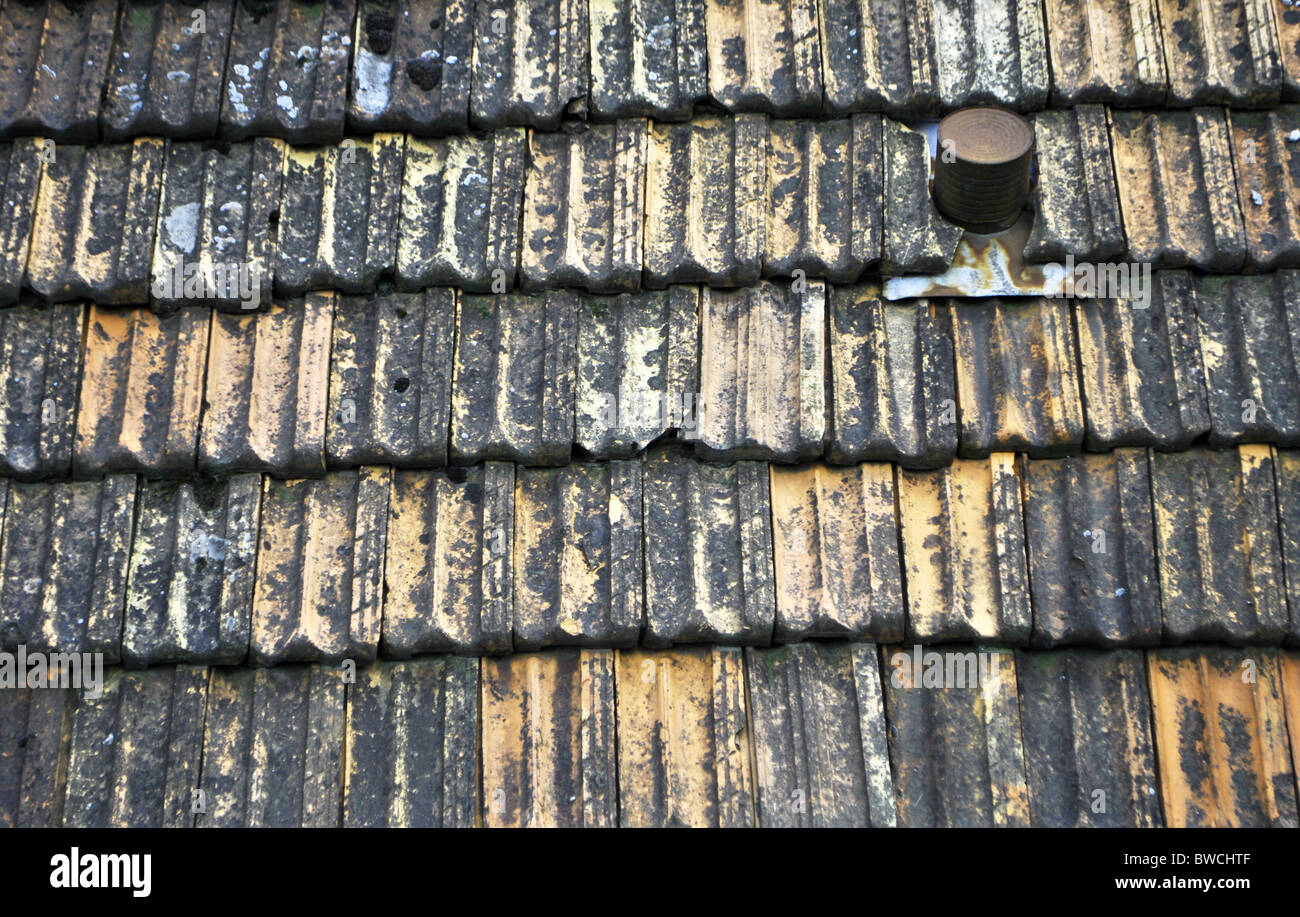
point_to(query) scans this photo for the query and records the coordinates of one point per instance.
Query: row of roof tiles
(1129, 548)
(808, 735)
(768, 373)
(616, 207)
(308, 72)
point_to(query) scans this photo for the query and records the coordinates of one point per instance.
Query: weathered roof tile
(683, 750)
(1221, 738)
(136, 750)
(273, 748)
(287, 70)
(1268, 185)
(411, 66)
(1220, 56)
(964, 552)
(1286, 470)
(1287, 21)
(765, 55)
(193, 558)
(763, 379)
(167, 67)
(412, 745)
(1017, 377)
(530, 62)
(1221, 576)
(449, 567)
(338, 215)
(835, 539)
(525, 345)
(34, 744)
(916, 238)
(390, 379)
(820, 749)
(879, 56)
(462, 200)
(647, 58)
(990, 52)
(1091, 545)
(578, 564)
(268, 376)
(1140, 366)
(1106, 51)
(141, 391)
(1085, 720)
(583, 208)
(63, 565)
(320, 568)
(40, 361)
(956, 747)
(893, 392)
(93, 232)
(708, 551)
(20, 179)
(548, 740)
(705, 201)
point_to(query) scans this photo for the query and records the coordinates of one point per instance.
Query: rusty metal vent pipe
(981, 168)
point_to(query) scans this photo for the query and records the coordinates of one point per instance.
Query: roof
(453, 413)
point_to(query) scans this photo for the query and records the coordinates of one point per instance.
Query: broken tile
(820, 750)
(56, 55)
(1220, 56)
(835, 539)
(63, 566)
(530, 62)
(638, 373)
(683, 741)
(94, 226)
(1174, 173)
(320, 568)
(412, 745)
(647, 58)
(1221, 577)
(35, 733)
(964, 552)
(217, 216)
(762, 379)
(916, 238)
(548, 734)
(955, 738)
(1106, 51)
(448, 575)
(708, 554)
(1221, 741)
(1142, 379)
(1075, 201)
(893, 393)
(577, 563)
(20, 179)
(136, 750)
(273, 748)
(1085, 719)
(583, 208)
(338, 215)
(1249, 328)
(1091, 544)
(266, 389)
(287, 70)
(521, 345)
(824, 204)
(462, 200)
(1266, 150)
(1017, 377)
(990, 52)
(411, 67)
(166, 70)
(705, 201)
(764, 55)
(141, 392)
(390, 379)
(879, 56)
(190, 593)
(40, 363)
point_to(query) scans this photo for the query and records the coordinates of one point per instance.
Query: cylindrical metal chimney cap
(982, 166)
